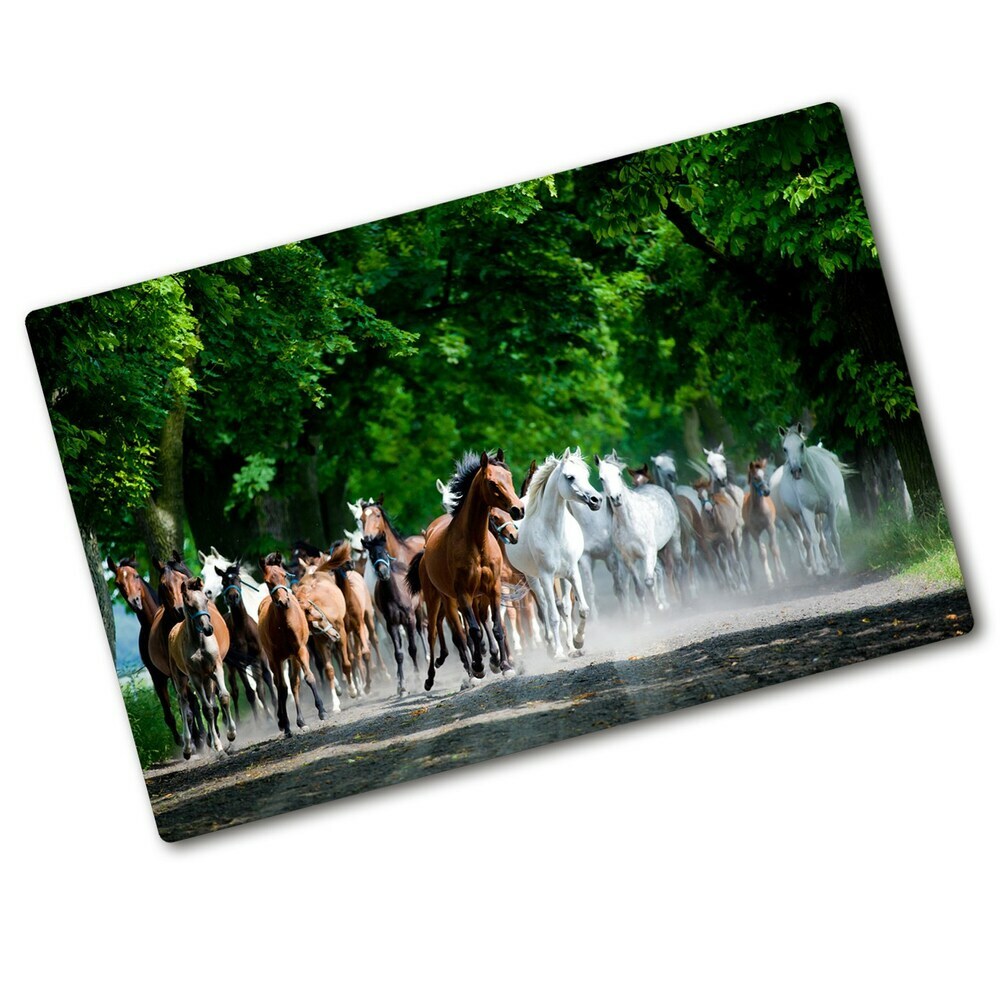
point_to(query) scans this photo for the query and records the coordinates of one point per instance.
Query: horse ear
(782, 432)
(175, 556)
(720, 449)
(484, 460)
(499, 454)
(302, 563)
(597, 459)
(706, 451)
(216, 552)
(111, 565)
(381, 500)
(160, 567)
(533, 468)
(201, 556)
(798, 428)
(565, 454)
(218, 571)
(763, 463)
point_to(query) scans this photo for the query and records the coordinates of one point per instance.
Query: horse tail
(413, 574)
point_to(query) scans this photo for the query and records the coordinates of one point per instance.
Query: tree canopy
(708, 289)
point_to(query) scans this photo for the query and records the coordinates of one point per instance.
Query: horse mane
(539, 480)
(274, 559)
(340, 556)
(307, 548)
(465, 472)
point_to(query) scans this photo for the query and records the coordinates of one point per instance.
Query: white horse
(665, 475)
(644, 523)
(598, 546)
(550, 539)
(810, 483)
(253, 592)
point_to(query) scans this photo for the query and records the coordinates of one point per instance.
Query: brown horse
(359, 619)
(462, 560)
(759, 517)
(173, 573)
(139, 596)
(198, 645)
(284, 633)
(395, 604)
(722, 523)
(245, 651)
(326, 611)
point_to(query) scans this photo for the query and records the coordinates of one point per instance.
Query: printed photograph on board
(498, 472)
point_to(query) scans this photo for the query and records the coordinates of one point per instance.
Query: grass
(152, 738)
(921, 547)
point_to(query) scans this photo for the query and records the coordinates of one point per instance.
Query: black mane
(465, 471)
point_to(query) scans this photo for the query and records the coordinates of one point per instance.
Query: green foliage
(922, 547)
(145, 716)
(617, 305)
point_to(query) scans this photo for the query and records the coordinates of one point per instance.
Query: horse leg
(544, 588)
(397, 652)
(779, 566)
(475, 634)
(259, 678)
(183, 700)
(762, 548)
(311, 681)
(324, 652)
(232, 670)
(206, 691)
(458, 635)
(225, 701)
(370, 622)
(161, 685)
(586, 568)
(583, 607)
(282, 699)
(197, 717)
(434, 624)
(411, 630)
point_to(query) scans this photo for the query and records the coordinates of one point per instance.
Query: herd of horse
(502, 568)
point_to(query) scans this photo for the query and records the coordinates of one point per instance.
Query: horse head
(172, 576)
(793, 443)
(504, 529)
(128, 581)
(609, 471)
(666, 468)
(377, 551)
(372, 518)
(497, 487)
(717, 464)
(755, 476)
(230, 577)
(195, 605)
(702, 488)
(640, 476)
(276, 579)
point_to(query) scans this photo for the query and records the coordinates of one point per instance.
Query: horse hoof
(288, 733)
(322, 715)
(479, 674)
(401, 692)
(509, 672)
(231, 735)
(495, 666)
(576, 652)
(187, 754)
(302, 726)
(428, 684)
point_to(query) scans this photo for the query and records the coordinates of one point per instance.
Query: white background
(832, 837)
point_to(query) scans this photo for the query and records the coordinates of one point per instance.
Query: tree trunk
(864, 317)
(162, 519)
(96, 566)
(879, 485)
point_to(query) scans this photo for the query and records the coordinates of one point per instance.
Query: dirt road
(627, 673)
